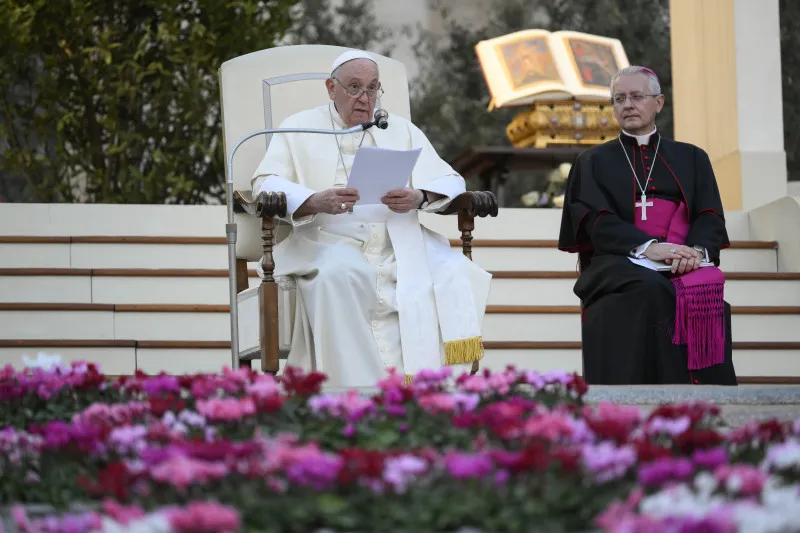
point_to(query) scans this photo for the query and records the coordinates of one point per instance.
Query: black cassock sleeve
(590, 220)
(708, 218)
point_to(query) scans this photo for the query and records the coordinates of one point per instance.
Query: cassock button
(648, 168)
(646, 158)
(696, 381)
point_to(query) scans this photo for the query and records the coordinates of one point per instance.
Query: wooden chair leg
(268, 301)
(242, 278)
(466, 225)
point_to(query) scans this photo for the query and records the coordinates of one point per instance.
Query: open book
(531, 65)
(659, 266)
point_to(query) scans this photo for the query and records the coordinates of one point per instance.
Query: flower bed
(501, 452)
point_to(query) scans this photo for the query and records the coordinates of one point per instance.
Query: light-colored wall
(726, 72)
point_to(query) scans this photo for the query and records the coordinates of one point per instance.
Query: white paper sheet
(658, 265)
(376, 171)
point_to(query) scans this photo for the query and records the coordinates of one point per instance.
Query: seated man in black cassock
(633, 204)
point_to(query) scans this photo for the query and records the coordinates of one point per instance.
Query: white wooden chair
(258, 91)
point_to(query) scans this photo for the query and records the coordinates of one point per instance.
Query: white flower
(43, 360)
(783, 456)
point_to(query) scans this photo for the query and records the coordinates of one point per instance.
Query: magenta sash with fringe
(700, 307)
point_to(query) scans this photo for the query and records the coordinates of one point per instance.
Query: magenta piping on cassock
(700, 305)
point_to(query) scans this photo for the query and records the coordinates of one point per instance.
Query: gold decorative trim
(563, 122)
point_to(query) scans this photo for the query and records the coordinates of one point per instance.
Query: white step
(760, 292)
(212, 288)
(153, 323)
(113, 360)
(209, 221)
(525, 254)
(750, 364)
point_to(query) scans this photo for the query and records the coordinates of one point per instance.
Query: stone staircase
(145, 287)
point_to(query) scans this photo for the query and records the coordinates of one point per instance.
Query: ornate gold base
(562, 122)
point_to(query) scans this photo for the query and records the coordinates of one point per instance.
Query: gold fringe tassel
(409, 379)
(463, 351)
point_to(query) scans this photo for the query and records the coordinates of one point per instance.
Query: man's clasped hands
(682, 258)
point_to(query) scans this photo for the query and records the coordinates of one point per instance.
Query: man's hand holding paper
(381, 176)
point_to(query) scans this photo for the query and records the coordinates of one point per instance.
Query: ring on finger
(343, 206)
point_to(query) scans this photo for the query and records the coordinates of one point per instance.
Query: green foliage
(451, 98)
(790, 68)
(118, 102)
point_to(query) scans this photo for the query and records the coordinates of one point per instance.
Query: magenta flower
(155, 385)
(462, 465)
(665, 469)
(710, 459)
(316, 469)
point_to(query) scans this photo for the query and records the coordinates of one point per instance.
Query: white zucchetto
(349, 56)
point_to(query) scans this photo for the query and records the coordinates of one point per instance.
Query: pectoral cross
(644, 204)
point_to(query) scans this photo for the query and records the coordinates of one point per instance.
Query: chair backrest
(259, 90)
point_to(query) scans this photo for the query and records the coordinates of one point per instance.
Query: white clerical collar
(337, 119)
(641, 139)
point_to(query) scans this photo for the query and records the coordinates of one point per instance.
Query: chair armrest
(266, 204)
(473, 204)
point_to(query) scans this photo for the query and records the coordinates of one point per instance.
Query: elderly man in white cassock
(375, 289)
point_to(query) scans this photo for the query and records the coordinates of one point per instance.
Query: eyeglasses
(619, 99)
(355, 90)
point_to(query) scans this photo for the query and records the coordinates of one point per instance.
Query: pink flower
(741, 479)
(607, 461)
(122, 514)
(128, 438)
(204, 517)
(670, 426)
(264, 386)
(401, 470)
(448, 403)
(351, 406)
(226, 409)
(101, 414)
(428, 379)
(477, 383)
(181, 471)
(392, 381)
(550, 426)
